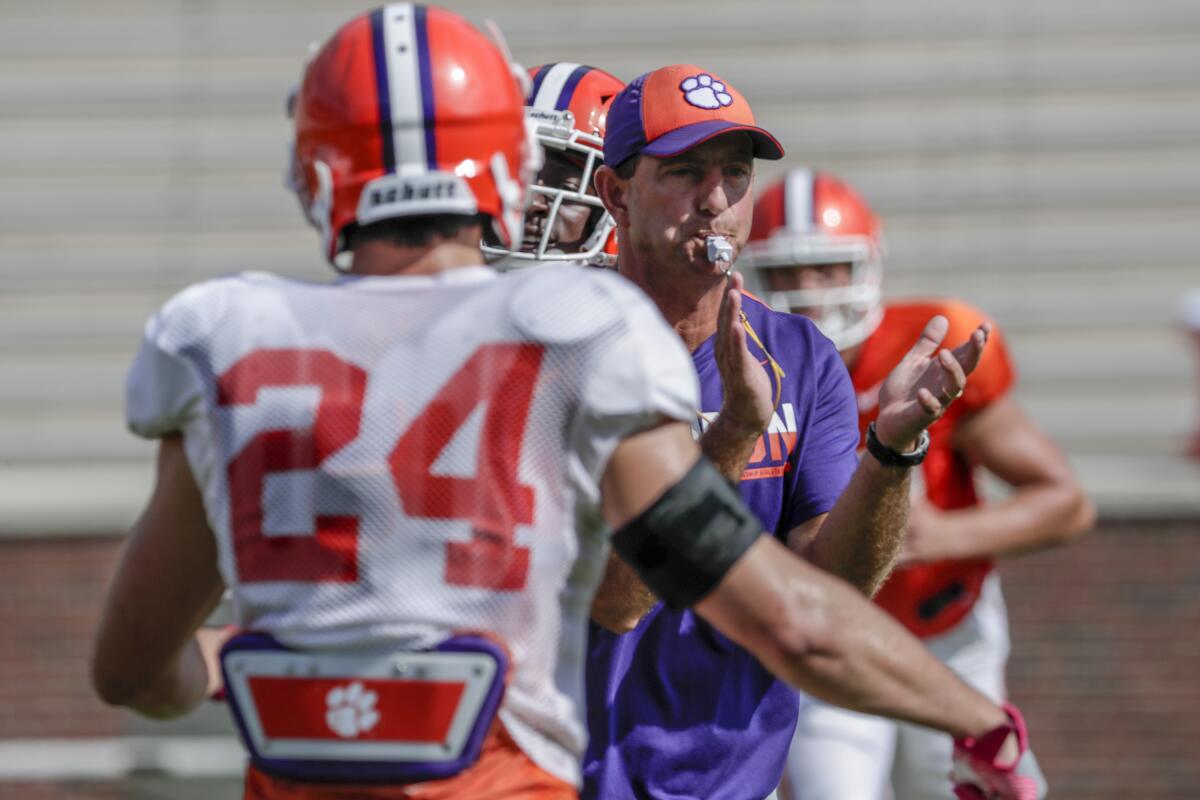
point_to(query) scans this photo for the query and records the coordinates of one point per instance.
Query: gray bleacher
(1038, 159)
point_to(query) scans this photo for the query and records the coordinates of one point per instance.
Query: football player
(404, 477)
(565, 222)
(816, 249)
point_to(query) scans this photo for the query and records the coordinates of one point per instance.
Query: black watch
(894, 458)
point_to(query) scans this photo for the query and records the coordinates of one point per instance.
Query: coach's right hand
(746, 390)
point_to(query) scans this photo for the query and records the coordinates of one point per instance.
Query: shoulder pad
(564, 304)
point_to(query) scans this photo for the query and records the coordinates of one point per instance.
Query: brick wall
(51, 592)
(1106, 654)
(82, 790)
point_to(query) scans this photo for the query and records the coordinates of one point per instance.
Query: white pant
(843, 755)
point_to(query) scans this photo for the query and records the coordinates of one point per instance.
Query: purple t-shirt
(676, 710)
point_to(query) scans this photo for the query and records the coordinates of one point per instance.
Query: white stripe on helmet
(552, 85)
(798, 201)
(404, 86)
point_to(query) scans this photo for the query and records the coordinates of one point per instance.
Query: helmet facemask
(572, 156)
(847, 312)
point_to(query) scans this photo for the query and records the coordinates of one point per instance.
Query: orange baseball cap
(672, 109)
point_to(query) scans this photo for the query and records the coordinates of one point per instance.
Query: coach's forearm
(823, 637)
(861, 537)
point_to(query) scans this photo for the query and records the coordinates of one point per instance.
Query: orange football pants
(503, 772)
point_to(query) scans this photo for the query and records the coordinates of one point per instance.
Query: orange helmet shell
(812, 203)
(586, 92)
(408, 110)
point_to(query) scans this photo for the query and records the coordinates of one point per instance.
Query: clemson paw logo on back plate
(350, 710)
(704, 92)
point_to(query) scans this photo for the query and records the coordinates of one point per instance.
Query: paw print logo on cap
(704, 92)
(350, 710)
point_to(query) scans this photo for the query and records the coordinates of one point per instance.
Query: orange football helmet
(568, 106)
(811, 218)
(409, 111)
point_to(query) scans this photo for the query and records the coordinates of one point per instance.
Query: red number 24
(502, 375)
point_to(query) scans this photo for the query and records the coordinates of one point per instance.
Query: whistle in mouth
(720, 251)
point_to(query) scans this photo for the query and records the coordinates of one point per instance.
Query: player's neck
(382, 258)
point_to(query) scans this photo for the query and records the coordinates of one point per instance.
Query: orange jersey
(932, 598)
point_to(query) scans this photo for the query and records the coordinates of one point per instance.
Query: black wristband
(894, 458)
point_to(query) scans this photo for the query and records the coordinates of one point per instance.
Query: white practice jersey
(387, 461)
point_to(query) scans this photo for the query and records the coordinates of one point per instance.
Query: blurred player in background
(565, 222)
(675, 708)
(816, 250)
(403, 476)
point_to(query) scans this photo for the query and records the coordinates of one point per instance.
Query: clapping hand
(925, 382)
